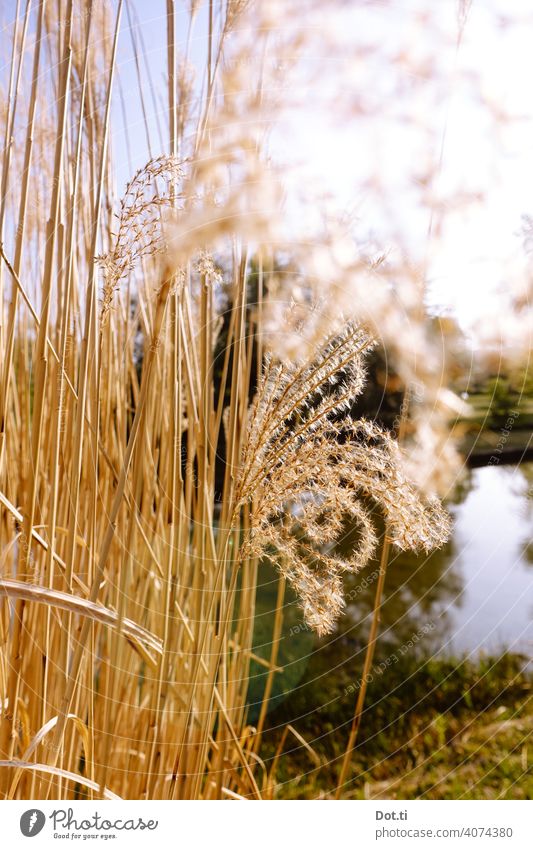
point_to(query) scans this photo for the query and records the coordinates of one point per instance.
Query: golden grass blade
(61, 773)
(38, 739)
(81, 606)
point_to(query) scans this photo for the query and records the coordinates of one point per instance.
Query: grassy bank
(432, 729)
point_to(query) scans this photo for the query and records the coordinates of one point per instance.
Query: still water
(491, 560)
(473, 596)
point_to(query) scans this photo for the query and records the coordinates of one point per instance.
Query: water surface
(473, 596)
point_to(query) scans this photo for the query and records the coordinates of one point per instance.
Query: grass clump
(433, 728)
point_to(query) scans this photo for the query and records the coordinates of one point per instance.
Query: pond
(473, 596)
(476, 593)
(491, 557)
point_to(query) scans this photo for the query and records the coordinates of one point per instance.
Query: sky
(394, 123)
(422, 144)
(444, 137)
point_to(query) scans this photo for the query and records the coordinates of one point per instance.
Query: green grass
(432, 728)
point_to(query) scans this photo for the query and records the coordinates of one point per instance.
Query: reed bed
(153, 446)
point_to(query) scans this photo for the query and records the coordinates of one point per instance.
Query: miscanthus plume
(307, 466)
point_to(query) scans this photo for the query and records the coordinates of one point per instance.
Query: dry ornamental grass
(144, 474)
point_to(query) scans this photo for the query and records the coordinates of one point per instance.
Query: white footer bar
(269, 825)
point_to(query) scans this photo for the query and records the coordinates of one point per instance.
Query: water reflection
(477, 590)
(492, 535)
(475, 594)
